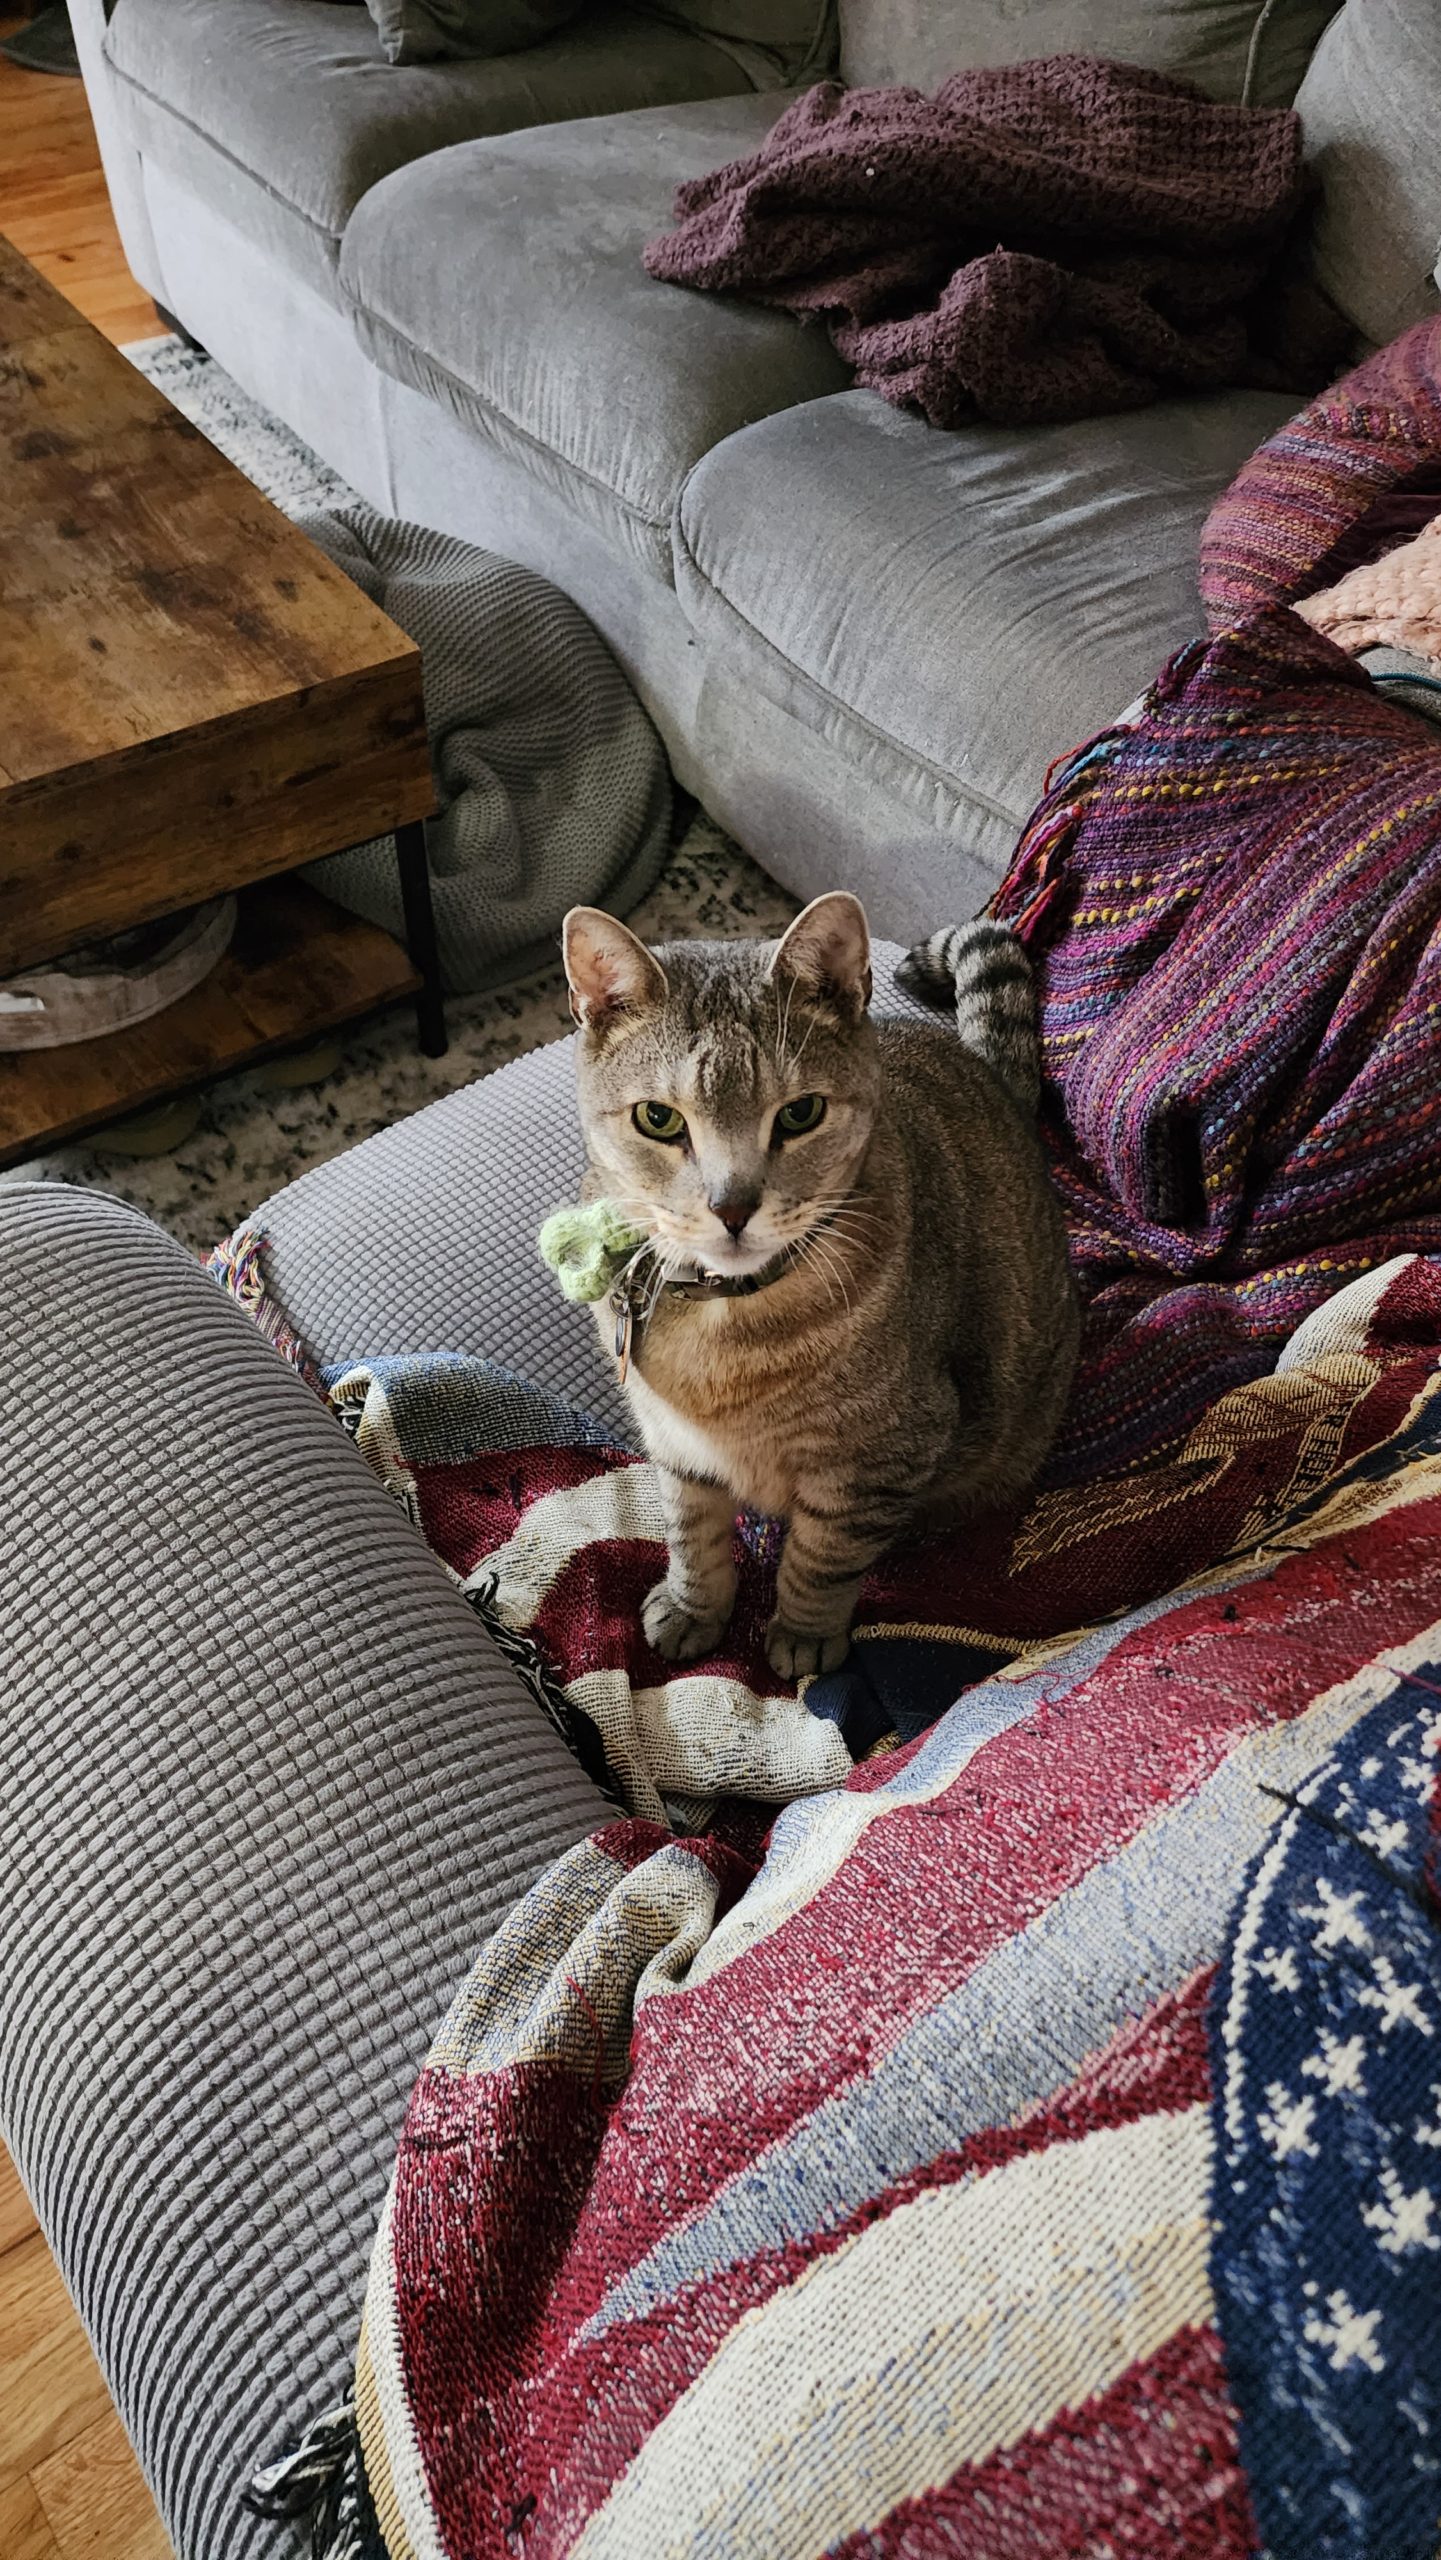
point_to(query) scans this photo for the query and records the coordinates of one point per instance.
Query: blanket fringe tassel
(238, 1264)
(319, 2477)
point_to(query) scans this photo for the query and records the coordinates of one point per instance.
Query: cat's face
(728, 1090)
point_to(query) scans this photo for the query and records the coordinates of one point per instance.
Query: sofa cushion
(776, 40)
(1233, 48)
(1370, 107)
(504, 279)
(282, 113)
(432, 30)
(953, 611)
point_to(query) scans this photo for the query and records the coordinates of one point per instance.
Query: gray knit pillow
(428, 30)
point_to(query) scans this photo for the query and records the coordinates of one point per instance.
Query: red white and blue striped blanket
(1034, 2145)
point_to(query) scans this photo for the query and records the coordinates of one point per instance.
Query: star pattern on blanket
(1348, 2335)
(1338, 2066)
(1403, 2221)
(1327, 2186)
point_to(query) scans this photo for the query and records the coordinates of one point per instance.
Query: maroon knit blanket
(1048, 240)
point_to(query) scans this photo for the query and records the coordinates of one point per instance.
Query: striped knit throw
(1364, 457)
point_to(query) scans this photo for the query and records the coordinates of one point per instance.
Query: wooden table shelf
(298, 966)
(193, 699)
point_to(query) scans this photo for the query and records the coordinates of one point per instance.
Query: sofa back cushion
(1257, 49)
(464, 30)
(777, 41)
(1370, 108)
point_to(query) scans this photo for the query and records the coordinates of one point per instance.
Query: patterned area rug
(252, 1137)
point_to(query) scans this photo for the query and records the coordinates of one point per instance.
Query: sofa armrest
(423, 1238)
(265, 1786)
(121, 161)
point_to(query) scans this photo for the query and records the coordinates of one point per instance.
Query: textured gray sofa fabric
(1231, 48)
(955, 610)
(815, 817)
(504, 279)
(282, 114)
(1370, 109)
(553, 787)
(424, 1238)
(264, 1788)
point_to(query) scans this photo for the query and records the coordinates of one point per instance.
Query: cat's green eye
(659, 1120)
(795, 1119)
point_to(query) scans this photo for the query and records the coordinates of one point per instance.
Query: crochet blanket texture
(1048, 240)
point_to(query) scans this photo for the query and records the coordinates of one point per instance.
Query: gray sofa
(863, 641)
(255, 1751)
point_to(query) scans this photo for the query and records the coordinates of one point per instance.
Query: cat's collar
(636, 1290)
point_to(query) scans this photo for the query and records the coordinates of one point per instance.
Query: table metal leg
(420, 936)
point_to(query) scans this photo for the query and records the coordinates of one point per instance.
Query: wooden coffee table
(193, 699)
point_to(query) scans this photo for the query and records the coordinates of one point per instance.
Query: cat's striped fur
(908, 1353)
(982, 970)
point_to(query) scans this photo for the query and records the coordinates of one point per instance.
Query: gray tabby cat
(855, 1312)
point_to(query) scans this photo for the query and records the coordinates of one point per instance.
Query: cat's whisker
(826, 1276)
(668, 1262)
(832, 1238)
(853, 1213)
(636, 1211)
(849, 1221)
(843, 1292)
(793, 1063)
(830, 1266)
(862, 1226)
(783, 1029)
(824, 1204)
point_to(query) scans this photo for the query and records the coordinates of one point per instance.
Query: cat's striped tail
(982, 970)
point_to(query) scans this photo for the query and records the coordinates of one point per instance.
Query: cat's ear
(827, 951)
(610, 972)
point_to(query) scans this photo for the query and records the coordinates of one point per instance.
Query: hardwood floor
(53, 202)
(70, 2487)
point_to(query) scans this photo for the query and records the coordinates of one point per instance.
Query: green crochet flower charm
(588, 1248)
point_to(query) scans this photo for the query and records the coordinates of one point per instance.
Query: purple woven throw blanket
(1048, 240)
(1236, 907)
(1352, 474)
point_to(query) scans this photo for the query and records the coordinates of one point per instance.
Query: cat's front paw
(796, 1656)
(676, 1631)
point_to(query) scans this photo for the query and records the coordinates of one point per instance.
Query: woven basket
(107, 986)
